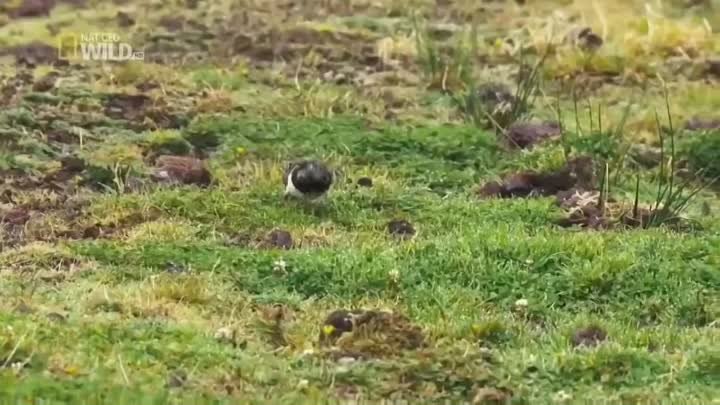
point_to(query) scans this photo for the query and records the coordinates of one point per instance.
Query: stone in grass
(177, 379)
(182, 170)
(490, 396)
(589, 336)
(369, 333)
(365, 182)
(400, 228)
(702, 124)
(524, 135)
(278, 239)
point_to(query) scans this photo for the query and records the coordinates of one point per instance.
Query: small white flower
(562, 396)
(346, 360)
(279, 266)
(521, 303)
(302, 384)
(394, 275)
(224, 334)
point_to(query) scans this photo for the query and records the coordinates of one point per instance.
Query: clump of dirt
(365, 182)
(33, 8)
(585, 39)
(713, 67)
(370, 333)
(401, 228)
(124, 20)
(524, 135)
(46, 83)
(589, 336)
(70, 166)
(586, 211)
(137, 109)
(491, 396)
(702, 124)
(181, 170)
(130, 107)
(578, 173)
(35, 53)
(495, 99)
(277, 239)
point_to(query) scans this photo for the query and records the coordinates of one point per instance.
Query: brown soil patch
(524, 135)
(181, 170)
(589, 336)
(577, 173)
(371, 333)
(401, 228)
(277, 239)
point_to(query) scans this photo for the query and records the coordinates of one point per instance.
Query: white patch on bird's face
(290, 187)
(291, 190)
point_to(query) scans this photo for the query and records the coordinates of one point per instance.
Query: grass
(116, 289)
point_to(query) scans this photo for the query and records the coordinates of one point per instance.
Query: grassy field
(554, 243)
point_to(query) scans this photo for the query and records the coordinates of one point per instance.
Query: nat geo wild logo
(96, 47)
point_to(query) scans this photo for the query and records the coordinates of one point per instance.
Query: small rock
(225, 334)
(46, 83)
(365, 182)
(33, 8)
(587, 40)
(590, 336)
(279, 239)
(522, 303)
(16, 216)
(177, 379)
(527, 134)
(401, 228)
(702, 124)
(713, 67)
(646, 155)
(346, 361)
(23, 308)
(124, 19)
(181, 169)
(174, 268)
(490, 396)
(55, 317)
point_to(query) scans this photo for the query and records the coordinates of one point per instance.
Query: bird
(307, 180)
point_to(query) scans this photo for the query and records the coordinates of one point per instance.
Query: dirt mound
(362, 333)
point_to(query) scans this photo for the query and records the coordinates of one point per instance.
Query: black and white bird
(307, 179)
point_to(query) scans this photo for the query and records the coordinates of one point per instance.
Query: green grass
(170, 296)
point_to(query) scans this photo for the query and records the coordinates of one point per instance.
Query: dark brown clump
(363, 333)
(587, 40)
(702, 124)
(124, 20)
(46, 83)
(491, 396)
(400, 228)
(33, 8)
(365, 182)
(340, 321)
(577, 173)
(524, 135)
(127, 106)
(15, 217)
(589, 336)
(36, 53)
(278, 239)
(181, 170)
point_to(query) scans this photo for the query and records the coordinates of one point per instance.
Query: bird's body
(307, 179)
